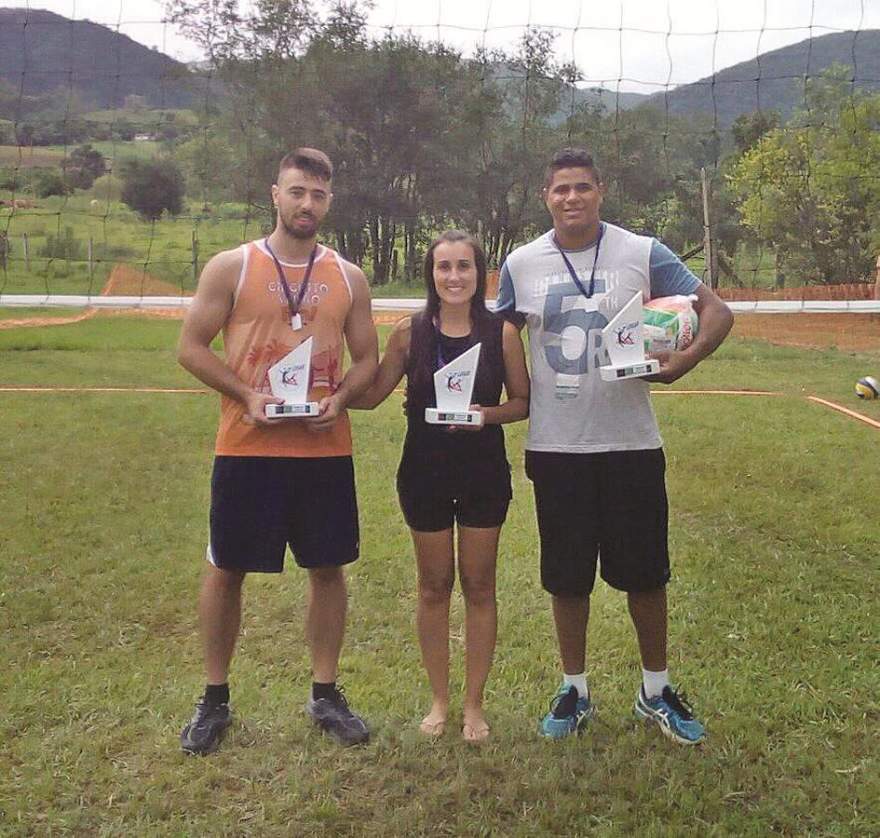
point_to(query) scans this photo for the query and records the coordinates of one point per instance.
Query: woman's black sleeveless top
(431, 451)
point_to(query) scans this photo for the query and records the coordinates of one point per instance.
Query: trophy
(454, 385)
(624, 339)
(289, 380)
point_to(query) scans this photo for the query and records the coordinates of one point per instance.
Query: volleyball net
(744, 138)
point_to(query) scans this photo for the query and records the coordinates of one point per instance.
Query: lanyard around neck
(577, 281)
(291, 304)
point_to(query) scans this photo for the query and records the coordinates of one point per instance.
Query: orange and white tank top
(258, 333)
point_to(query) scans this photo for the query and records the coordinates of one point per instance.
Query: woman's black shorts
(432, 502)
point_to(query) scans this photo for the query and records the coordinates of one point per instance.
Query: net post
(26, 251)
(195, 259)
(711, 262)
(91, 259)
(877, 279)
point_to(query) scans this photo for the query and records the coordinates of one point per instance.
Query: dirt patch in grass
(849, 332)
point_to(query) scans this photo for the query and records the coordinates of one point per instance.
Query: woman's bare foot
(434, 724)
(475, 727)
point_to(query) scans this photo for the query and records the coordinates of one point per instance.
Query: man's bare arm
(716, 320)
(391, 368)
(204, 319)
(363, 348)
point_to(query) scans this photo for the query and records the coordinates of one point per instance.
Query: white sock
(579, 681)
(654, 682)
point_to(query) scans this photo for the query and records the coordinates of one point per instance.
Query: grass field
(164, 248)
(28, 157)
(773, 625)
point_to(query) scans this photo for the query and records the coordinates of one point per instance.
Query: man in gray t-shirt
(594, 451)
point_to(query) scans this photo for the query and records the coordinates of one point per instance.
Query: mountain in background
(41, 52)
(611, 99)
(775, 80)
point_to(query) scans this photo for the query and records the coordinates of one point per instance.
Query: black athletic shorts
(259, 505)
(432, 504)
(608, 507)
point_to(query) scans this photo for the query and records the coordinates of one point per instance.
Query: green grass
(30, 157)
(164, 249)
(47, 156)
(118, 235)
(114, 151)
(104, 506)
(146, 118)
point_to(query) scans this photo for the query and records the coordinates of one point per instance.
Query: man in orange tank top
(280, 482)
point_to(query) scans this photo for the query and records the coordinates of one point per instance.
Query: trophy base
(289, 410)
(649, 366)
(436, 416)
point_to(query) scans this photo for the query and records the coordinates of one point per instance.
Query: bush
(64, 246)
(11, 179)
(84, 166)
(152, 186)
(50, 182)
(107, 188)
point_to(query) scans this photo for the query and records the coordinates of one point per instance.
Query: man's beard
(299, 232)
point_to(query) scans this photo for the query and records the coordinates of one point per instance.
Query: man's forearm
(201, 362)
(715, 323)
(357, 380)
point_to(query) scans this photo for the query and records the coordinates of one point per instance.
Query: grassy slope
(104, 506)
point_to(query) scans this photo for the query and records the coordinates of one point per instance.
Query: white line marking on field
(102, 390)
(846, 411)
(716, 392)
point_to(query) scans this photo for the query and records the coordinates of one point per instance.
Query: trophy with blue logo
(454, 386)
(289, 380)
(624, 339)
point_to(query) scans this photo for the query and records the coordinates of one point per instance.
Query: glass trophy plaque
(454, 386)
(289, 380)
(624, 340)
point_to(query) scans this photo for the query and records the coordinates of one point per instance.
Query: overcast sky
(640, 45)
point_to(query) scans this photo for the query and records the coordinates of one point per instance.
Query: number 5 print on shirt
(574, 326)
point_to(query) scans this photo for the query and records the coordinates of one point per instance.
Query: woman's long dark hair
(423, 341)
(478, 301)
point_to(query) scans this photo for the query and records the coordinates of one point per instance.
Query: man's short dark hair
(571, 158)
(309, 160)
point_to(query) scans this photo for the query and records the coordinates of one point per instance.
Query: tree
(84, 166)
(809, 189)
(151, 187)
(748, 128)
(49, 182)
(208, 163)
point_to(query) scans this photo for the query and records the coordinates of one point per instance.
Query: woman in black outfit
(455, 474)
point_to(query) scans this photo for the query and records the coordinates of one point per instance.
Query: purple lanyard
(293, 306)
(572, 271)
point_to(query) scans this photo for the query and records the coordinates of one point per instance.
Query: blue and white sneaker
(569, 713)
(674, 715)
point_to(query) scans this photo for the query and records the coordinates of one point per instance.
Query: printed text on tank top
(293, 306)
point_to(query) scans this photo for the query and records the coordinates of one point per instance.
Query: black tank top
(431, 450)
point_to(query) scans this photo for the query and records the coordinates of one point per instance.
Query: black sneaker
(333, 716)
(205, 731)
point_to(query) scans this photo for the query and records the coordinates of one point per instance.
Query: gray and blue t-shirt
(572, 409)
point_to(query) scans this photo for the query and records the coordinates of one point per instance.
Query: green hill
(775, 80)
(41, 52)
